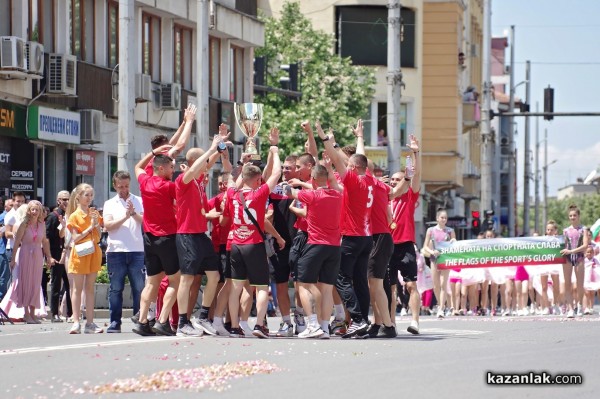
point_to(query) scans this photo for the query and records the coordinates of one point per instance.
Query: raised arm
(188, 119)
(311, 148)
(199, 166)
(333, 183)
(416, 179)
(276, 174)
(400, 188)
(274, 141)
(139, 167)
(340, 167)
(360, 141)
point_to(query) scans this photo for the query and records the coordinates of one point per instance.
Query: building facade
(59, 84)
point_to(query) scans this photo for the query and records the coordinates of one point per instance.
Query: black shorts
(298, 244)
(404, 260)
(249, 262)
(281, 268)
(161, 254)
(196, 254)
(319, 263)
(225, 269)
(380, 255)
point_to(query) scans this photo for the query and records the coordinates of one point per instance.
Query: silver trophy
(249, 118)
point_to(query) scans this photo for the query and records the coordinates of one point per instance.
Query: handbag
(85, 248)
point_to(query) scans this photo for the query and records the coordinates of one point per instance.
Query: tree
(558, 210)
(333, 90)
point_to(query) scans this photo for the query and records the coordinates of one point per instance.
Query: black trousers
(352, 282)
(58, 274)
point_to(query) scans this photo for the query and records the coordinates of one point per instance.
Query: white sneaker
(204, 325)
(587, 311)
(403, 312)
(75, 329)
(414, 327)
(300, 323)
(546, 311)
(311, 332)
(248, 333)
(325, 335)
(440, 314)
(92, 328)
(525, 312)
(506, 313)
(579, 312)
(570, 314)
(189, 330)
(221, 330)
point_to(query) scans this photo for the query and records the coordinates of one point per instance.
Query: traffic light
(260, 64)
(548, 102)
(475, 222)
(488, 223)
(289, 82)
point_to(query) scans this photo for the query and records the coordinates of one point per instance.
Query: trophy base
(255, 157)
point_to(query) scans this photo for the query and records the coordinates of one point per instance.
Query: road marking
(442, 331)
(35, 349)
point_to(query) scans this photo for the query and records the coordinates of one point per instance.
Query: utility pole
(486, 131)
(527, 154)
(394, 82)
(537, 170)
(511, 141)
(126, 109)
(202, 127)
(545, 214)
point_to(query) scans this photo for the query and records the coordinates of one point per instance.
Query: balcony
(471, 115)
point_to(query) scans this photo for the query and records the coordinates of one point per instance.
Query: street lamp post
(545, 169)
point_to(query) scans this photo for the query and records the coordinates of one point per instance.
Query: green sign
(13, 120)
(522, 251)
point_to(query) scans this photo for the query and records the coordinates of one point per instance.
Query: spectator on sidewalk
(125, 252)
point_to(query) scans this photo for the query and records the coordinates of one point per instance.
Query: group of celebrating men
(335, 225)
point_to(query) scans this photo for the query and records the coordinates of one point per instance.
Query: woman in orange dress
(84, 224)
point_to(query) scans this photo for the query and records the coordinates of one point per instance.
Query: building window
(236, 75)
(41, 22)
(214, 62)
(151, 46)
(5, 18)
(382, 121)
(113, 33)
(183, 56)
(361, 33)
(112, 168)
(82, 29)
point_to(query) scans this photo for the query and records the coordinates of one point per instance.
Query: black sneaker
(373, 330)
(387, 332)
(260, 331)
(236, 332)
(227, 326)
(143, 329)
(163, 329)
(355, 328)
(136, 318)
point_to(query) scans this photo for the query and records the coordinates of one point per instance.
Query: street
(450, 358)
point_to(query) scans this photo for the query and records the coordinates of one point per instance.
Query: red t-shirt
(358, 200)
(403, 214)
(323, 207)
(218, 234)
(379, 220)
(158, 195)
(191, 199)
(243, 229)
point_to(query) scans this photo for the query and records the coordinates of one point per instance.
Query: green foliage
(333, 90)
(102, 276)
(589, 206)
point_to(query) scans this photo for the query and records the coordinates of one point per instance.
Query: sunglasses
(64, 199)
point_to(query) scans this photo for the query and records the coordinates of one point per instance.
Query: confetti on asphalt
(214, 377)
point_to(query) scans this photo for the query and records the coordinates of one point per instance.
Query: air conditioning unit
(170, 96)
(91, 122)
(12, 54)
(34, 54)
(62, 74)
(143, 87)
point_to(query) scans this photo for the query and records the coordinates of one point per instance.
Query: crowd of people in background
(319, 221)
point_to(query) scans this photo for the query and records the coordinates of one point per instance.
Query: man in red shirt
(320, 262)
(383, 246)
(194, 248)
(404, 258)
(248, 252)
(160, 226)
(352, 283)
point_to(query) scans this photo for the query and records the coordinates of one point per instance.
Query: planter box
(101, 296)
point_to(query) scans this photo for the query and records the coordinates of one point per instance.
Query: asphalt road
(449, 359)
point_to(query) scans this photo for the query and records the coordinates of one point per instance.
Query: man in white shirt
(125, 253)
(10, 220)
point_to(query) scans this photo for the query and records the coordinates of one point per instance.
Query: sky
(562, 41)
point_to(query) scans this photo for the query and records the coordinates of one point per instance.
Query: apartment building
(59, 83)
